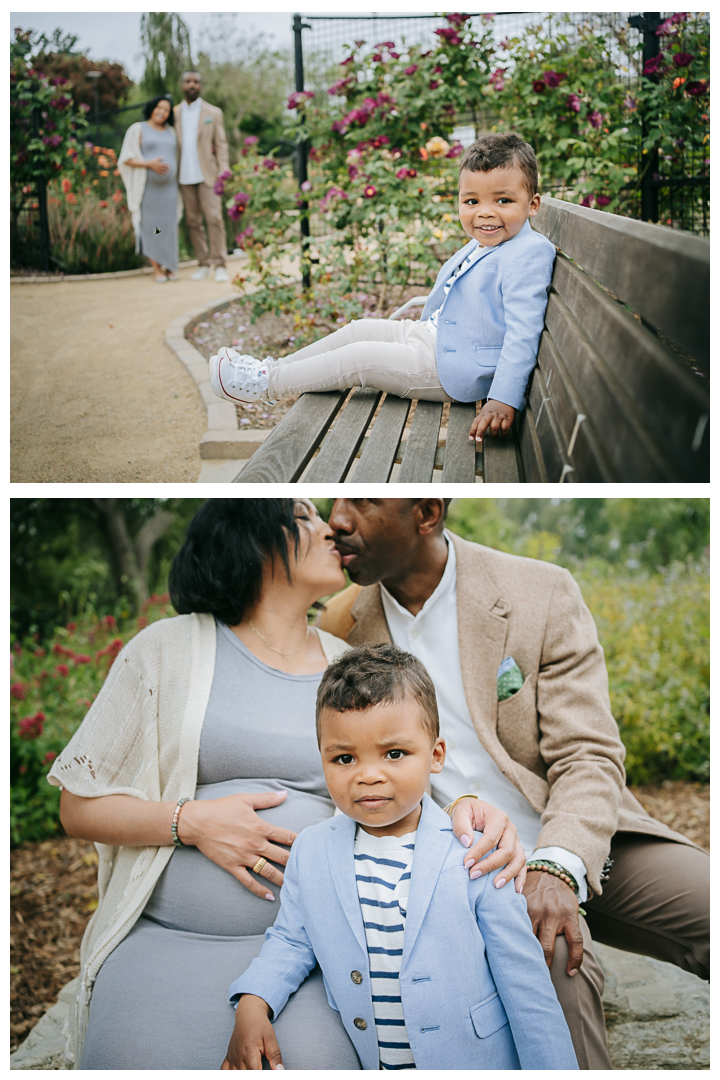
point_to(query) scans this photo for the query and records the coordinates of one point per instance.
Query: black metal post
(648, 23)
(302, 154)
(40, 187)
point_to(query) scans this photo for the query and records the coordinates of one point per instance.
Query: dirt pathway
(96, 395)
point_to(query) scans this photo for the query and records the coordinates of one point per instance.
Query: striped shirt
(382, 872)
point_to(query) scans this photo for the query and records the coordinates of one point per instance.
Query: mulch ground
(53, 894)
(274, 335)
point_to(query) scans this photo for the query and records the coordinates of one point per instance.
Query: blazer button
(360, 1023)
(356, 977)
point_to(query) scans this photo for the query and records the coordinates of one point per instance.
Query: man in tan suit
(203, 157)
(550, 755)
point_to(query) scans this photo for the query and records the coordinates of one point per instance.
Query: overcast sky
(116, 35)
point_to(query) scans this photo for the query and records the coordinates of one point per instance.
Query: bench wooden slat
(459, 460)
(581, 445)
(286, 453)
(341, 444)
(500, 461)
(637, 388)
(419, 457)
(540, 438)
(381, 445)
(662, 273)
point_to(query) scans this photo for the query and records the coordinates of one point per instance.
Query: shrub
(655, 632)
(52, 689)
(91, 236)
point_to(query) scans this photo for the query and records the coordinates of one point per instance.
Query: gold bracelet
(451, 806)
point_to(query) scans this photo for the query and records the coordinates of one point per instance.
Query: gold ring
(258, 865)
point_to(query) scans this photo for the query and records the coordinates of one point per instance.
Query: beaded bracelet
(174, 823)
(557, 871)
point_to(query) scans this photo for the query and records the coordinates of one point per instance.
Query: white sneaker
(221, 274)
(239, 378)
(200, 274)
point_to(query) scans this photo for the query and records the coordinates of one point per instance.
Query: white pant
(395, 356)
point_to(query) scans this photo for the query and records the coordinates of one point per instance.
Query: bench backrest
(609, 400)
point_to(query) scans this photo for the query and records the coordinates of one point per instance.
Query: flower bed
(51, 689)
(277, 333)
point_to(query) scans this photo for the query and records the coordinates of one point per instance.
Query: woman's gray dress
(158, 209)
(160, 1000)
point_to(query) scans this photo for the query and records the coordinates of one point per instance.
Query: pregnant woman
(217, 707)
(148, 166)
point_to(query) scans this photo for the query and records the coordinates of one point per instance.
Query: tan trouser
(201, 202)
(395, 356)
(656, 903)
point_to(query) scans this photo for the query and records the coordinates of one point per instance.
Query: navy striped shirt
(382, 872)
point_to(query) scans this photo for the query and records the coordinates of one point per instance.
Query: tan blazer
(555, 739)
(211, 142)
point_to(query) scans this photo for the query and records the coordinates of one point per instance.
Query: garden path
(96, 395)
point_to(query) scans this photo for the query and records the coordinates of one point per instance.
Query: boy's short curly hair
(376, 675)
(501, 150)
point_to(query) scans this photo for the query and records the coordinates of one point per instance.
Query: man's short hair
(377, 675)
(502, 150)
(191, 71)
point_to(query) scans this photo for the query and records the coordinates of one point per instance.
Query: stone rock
(43, 1048)
(657, 1016)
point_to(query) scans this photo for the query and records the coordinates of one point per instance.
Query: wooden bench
(613, 396)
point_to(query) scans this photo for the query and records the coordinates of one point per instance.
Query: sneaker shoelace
(243, 380)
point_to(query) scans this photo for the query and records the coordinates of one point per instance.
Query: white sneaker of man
(221, 274)
(239, 378)
(200, 274)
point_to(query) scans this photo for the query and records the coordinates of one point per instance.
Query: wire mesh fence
(677, 189)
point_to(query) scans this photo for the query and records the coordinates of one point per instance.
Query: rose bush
(52, 687)
(381, 191)
(45, 129)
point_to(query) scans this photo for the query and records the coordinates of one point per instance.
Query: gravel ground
(273, 335)
(53, 893)
(96, 395)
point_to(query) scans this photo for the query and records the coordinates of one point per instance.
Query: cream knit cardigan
(134, 178)
(141, 738)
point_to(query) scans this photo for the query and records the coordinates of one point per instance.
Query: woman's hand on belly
(230, 833)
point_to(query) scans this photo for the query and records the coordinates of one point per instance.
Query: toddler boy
(428, 968)
(479, 330)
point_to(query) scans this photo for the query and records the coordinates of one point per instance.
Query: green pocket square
(509, 679)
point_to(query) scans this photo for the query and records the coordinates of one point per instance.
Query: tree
(113, 86)
(249, 81)
(166, 43)
(108, 554)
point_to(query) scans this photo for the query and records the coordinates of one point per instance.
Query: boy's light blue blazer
(489, 330)
(476, 990)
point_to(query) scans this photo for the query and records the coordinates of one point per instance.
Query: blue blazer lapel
(341, 859)
(431, 847)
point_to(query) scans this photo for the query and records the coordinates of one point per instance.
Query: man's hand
(498, 831)
(253, 1037)
(553, 909)
(495, 417)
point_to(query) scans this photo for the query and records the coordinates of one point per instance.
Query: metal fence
(673, 193)
(30, 246)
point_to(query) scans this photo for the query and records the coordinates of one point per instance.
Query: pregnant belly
(196, 895)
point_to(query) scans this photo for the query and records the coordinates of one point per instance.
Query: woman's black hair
(150, 106)
(219, 567)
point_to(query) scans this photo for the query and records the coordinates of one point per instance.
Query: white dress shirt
(432, 323)
(432, 636)
(190, 171)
